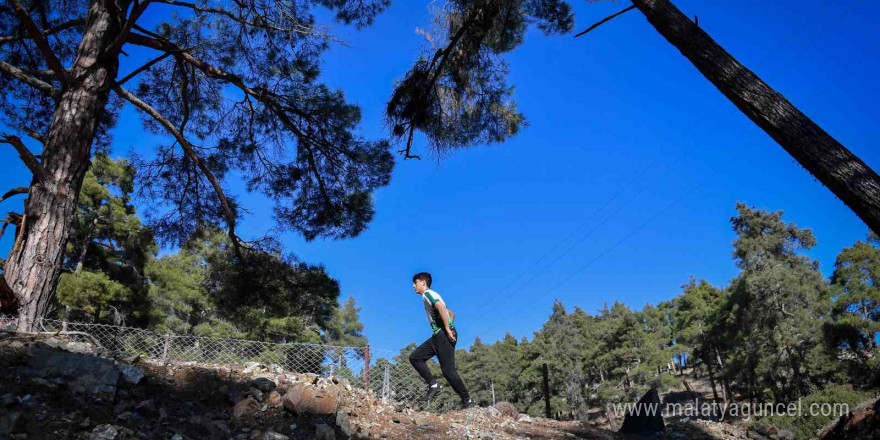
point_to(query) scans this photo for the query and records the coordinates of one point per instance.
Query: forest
(233, 112)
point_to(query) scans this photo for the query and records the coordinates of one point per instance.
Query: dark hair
(424, 276)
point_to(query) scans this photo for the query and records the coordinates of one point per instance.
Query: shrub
(806, 425)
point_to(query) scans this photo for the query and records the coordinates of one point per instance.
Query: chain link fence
(383, 372)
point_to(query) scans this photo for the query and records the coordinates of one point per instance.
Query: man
(441, 343)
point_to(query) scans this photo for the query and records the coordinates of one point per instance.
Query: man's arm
(444, 316)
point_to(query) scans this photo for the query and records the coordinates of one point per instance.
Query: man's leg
(446, 356)
(418, 359)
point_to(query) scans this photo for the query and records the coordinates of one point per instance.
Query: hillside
(55, 388)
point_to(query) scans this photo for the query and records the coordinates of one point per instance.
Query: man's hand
(450, 334)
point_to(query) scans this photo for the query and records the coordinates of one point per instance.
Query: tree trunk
(33, 268)
(725, 383)
(850, 179)
(708, 361)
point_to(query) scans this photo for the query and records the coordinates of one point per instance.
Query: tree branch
(14, 192)
(40, 40)
(296, 27)
(605, 20)
(61, 27)
(26, 156)
(191, 153)
(136, 12)
(146, 66)
(36, 136)
(36, 83)
(265, 97)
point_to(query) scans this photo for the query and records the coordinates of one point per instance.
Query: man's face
(420, 286)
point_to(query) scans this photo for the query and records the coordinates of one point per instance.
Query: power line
(603, 253)
(587, 235)
(573, 232)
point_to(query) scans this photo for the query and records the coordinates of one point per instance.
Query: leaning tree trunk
(34, 265)
(856, 184)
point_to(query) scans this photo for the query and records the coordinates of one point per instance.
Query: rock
(8, 420)
(272, 435)
(130, 374)
(421, 420)
(90, 374)
(250, 367)
(303, 399)
(16, 344)
(43, 382)
(103, 432)
(256, 435)
(248, 407)
(324, 432)
(643, 423)
(7, 399)
(177, 437)
(491, 411)
(785, 434)
(79, 347)
(147, 407)
(234, 395)
(507, 410)
(216, 429)
(274, 399)
(343, 422)
(524, 418)
(257, 394)
(263, 384)
(52, 342)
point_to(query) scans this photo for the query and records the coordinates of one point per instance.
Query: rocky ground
(53, 388)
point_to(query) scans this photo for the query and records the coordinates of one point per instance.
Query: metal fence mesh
(380, 371)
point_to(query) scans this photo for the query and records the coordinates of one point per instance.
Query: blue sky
(624, 181)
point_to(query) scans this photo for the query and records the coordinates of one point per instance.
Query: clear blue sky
(617, 119)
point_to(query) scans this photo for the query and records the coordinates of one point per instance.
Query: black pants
(444, 349)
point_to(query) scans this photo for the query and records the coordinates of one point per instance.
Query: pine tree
(232, 88)
(110, 243)
(856, 312)
(345, 328)
(782, 295)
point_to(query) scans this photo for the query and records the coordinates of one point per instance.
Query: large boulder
(507, 410)
(646, 419)
(263, 384)
(247, 407)
(305, 399)
(87, 373)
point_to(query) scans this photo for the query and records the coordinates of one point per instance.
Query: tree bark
(850, 179)
(708, 361)
(34, 265)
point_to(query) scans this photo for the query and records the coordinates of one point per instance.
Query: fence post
(492, 383)
(386, 384)
(367, 368)
(546, 391)
(165, 349)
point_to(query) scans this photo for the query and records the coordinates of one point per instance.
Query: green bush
(805, 425)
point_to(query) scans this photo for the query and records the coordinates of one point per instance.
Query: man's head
(421, 282)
